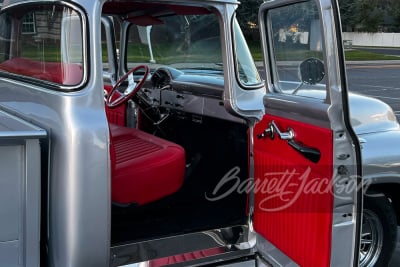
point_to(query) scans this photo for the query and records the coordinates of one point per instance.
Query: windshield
(185, 42)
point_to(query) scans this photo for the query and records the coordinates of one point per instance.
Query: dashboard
(188, 92)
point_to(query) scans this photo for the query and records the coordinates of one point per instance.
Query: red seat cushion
(145, 167)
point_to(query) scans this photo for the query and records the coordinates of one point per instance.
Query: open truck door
(307, 187)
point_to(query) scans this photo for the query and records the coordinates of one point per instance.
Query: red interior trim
(115, 115)
(294, 212)
(151, 9)
(145, 20)
(57, 72)
(190, 256)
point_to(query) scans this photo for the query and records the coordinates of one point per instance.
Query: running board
(201, 246)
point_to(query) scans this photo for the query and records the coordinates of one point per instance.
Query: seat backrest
(115, 115)
(57, 72)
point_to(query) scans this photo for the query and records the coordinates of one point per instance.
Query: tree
(348, 14)
(369, 15)
(247, 15)
(395, 12)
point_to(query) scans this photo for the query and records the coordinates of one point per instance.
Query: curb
(372, 62)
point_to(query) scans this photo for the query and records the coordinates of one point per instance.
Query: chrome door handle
(310, 153)
(273, 129)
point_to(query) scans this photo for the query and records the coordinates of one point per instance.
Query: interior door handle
(309, 153)
(273, 129)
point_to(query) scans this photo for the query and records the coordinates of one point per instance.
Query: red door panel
(293, 200)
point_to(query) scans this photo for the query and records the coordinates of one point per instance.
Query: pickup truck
(141, 132)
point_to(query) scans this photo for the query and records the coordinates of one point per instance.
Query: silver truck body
(75, 162)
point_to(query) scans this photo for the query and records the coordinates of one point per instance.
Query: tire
(379, 231)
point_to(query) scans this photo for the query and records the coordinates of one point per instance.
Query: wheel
(379, 231)
(130, 91)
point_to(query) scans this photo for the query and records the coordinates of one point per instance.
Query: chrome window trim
(235, 56)
(85, 49)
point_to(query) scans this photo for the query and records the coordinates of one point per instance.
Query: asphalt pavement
(378, 79)
(390, 51)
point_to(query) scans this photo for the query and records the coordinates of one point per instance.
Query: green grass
(140, 54)
(49, 53)
(169, 54)
(288, 53)
(350, 55)
(256, 51)
(360, 55)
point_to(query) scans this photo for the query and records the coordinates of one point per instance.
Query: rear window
(43, 42)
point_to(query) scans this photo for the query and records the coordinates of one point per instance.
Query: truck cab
(157, 142)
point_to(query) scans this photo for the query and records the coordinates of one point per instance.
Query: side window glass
(109, 50)
(296, 46)
(104, 50)
(246, 69)
(43, 42)
(5, 37)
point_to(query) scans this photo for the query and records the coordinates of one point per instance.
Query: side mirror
(311, 71)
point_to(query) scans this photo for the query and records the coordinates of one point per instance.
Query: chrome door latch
(273, 129)
(310, 153)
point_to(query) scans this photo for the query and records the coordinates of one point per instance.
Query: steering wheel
(130, 91)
